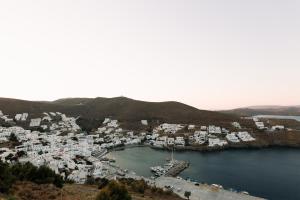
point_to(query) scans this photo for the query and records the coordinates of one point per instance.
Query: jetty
(177, 168)
(171, 169)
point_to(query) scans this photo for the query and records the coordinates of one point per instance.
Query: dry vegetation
(290, 123)
(283, 138)
(32, 191)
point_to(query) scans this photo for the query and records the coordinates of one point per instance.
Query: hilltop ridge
(265, 110)
(121, 108)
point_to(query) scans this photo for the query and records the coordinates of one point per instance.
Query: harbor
(232, 169)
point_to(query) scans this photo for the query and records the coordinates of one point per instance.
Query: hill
(32, 191)
(121, 108)
(265, 110)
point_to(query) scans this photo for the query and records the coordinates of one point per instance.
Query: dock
(177, 168)
(170, 169)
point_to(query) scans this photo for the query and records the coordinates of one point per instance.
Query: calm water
(268, 173)
(279, 117)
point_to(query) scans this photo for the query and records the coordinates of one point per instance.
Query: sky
(211, 54)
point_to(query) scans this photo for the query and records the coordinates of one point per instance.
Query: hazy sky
(210, 54)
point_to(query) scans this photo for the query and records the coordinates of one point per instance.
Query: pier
(177, 168)
(170, 169)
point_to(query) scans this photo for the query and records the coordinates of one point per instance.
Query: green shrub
(6, 178)
(187, 194)
(9, 174)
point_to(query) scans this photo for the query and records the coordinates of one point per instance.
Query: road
(202, 192)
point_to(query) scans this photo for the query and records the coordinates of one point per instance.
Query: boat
(244, 192)
(217, 186)
(158, 170)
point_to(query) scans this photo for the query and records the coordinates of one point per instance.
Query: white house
(171, 141)
(232, 138)
(18, 117)
(236, 125)
(144, 122)
(260, 125)
(191, 127)
(179, 141)
(277, 127)
(35, 122)
(216, 142)
(245, 136)
(24, 116)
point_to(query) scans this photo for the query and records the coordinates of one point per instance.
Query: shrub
(90, 180)
(6, 178)
(154, 189)
(27, 172)
(187, 194)
(114, 191)
(139, 186)
(102, 182)
(13, 138)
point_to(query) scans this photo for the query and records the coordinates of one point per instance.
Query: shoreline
(286, 139)
(207, 149)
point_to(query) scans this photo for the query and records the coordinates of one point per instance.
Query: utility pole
(172, 155)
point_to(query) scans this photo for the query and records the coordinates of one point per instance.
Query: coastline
(208, 150)
(263, 140)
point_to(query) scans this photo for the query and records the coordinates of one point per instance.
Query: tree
(6, 178)
(139, 186)
(9, 174)
(13, 138)
(102, 182)
(187, 194)
(114, 191)
(90, 180)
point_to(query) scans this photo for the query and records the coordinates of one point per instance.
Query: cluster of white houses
(261, 125)
(212, 136)
(60, 144)
(168, 128)
(64, 148)
(73, 154)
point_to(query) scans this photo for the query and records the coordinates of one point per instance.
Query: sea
(272, 173)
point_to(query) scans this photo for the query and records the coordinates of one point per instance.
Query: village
(57, 141)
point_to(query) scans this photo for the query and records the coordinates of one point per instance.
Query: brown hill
(266, 110)
(32, 191)
(121, 108)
